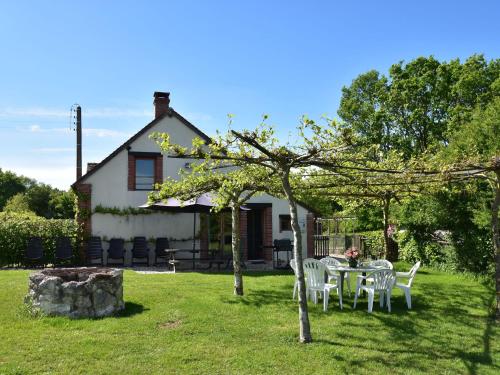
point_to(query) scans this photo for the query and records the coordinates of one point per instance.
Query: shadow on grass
(262, 297)
(131, 309)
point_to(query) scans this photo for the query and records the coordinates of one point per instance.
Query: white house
(111, 191)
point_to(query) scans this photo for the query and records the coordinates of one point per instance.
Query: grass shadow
(131, 309)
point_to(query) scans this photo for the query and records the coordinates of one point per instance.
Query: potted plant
(352, 255)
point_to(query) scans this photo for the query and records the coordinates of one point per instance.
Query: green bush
(374, 243)
(17, 228)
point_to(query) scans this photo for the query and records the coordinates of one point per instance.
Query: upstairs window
(145, 169)
(144, 173)
(285, 223)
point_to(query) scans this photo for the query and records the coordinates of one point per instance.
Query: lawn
(191, 323)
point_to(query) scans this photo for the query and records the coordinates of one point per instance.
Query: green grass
(191, 323)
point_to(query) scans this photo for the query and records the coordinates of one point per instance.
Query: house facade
(111, 191)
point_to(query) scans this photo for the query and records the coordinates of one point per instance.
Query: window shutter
(159, 169)
(131, 172)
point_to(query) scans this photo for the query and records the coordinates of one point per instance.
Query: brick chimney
(91, 166)
(161, 103)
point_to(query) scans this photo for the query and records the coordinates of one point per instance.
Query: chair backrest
(382, 279)
(34, 250)
(329, 261)
(381, 263)
(161, 244)
(64, 249)
(413, 272)
(116, 248)
(140, 249)
(283, 245)
(94, 248)
(315, 273)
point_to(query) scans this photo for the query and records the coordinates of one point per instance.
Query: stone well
(86, 292)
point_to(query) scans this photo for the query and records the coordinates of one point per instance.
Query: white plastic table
(343, 269)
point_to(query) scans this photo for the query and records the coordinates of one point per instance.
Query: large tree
(476, 145)
(12, 184)
(417, 106)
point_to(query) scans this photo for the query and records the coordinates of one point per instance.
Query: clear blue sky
(283, 58)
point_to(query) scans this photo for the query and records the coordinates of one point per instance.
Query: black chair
(116, 251)
(140, 251)
(94, 250)
(33, 255)
(161, 245)
(64, 251)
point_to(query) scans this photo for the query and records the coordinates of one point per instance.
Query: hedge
(17, 228)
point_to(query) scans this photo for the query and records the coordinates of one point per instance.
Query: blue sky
(283, 58)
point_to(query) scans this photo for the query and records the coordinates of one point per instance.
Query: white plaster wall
(177, 226)
(109, 183)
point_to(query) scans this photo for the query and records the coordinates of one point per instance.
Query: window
(144, 174)
(285, 223)
(145, 169)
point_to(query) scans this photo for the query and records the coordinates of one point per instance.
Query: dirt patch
(171, 324)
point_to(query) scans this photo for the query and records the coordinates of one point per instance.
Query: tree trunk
(304, 326)
(235, 245)
(496, 239)
(391, 248)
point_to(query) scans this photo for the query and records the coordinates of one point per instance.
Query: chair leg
(371, 295)
(326, 295)
(349, 284)
(381, 298)
(408, 298)
(340, 300)
(355, 298)
(389, 292)
(295, 285)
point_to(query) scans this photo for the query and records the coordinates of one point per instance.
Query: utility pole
(78, 142)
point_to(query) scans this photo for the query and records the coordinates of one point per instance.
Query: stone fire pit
(77, 292)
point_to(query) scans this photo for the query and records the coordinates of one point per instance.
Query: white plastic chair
(410, 275)
(335, 275)
(293, 265)
(382, 282)
(315, 279)
(382, 263)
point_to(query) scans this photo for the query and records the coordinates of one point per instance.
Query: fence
(337, 244)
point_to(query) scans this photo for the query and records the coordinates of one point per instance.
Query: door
(255, 233)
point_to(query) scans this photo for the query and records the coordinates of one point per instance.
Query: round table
(343, 269)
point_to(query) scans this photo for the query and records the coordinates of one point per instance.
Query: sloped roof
(171, 113)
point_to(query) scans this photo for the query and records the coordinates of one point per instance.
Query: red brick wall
(310, 235)
(244, 235)
(267, 222)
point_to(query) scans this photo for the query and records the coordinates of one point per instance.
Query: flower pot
(353, 263)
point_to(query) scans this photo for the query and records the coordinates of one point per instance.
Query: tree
(415, 109)
(18, 203)
(477, 145)
(231, 186)
(329, 147)
(12, 184)
(62, 204)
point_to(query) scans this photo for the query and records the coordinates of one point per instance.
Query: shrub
(17, 228)
(374, 243)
